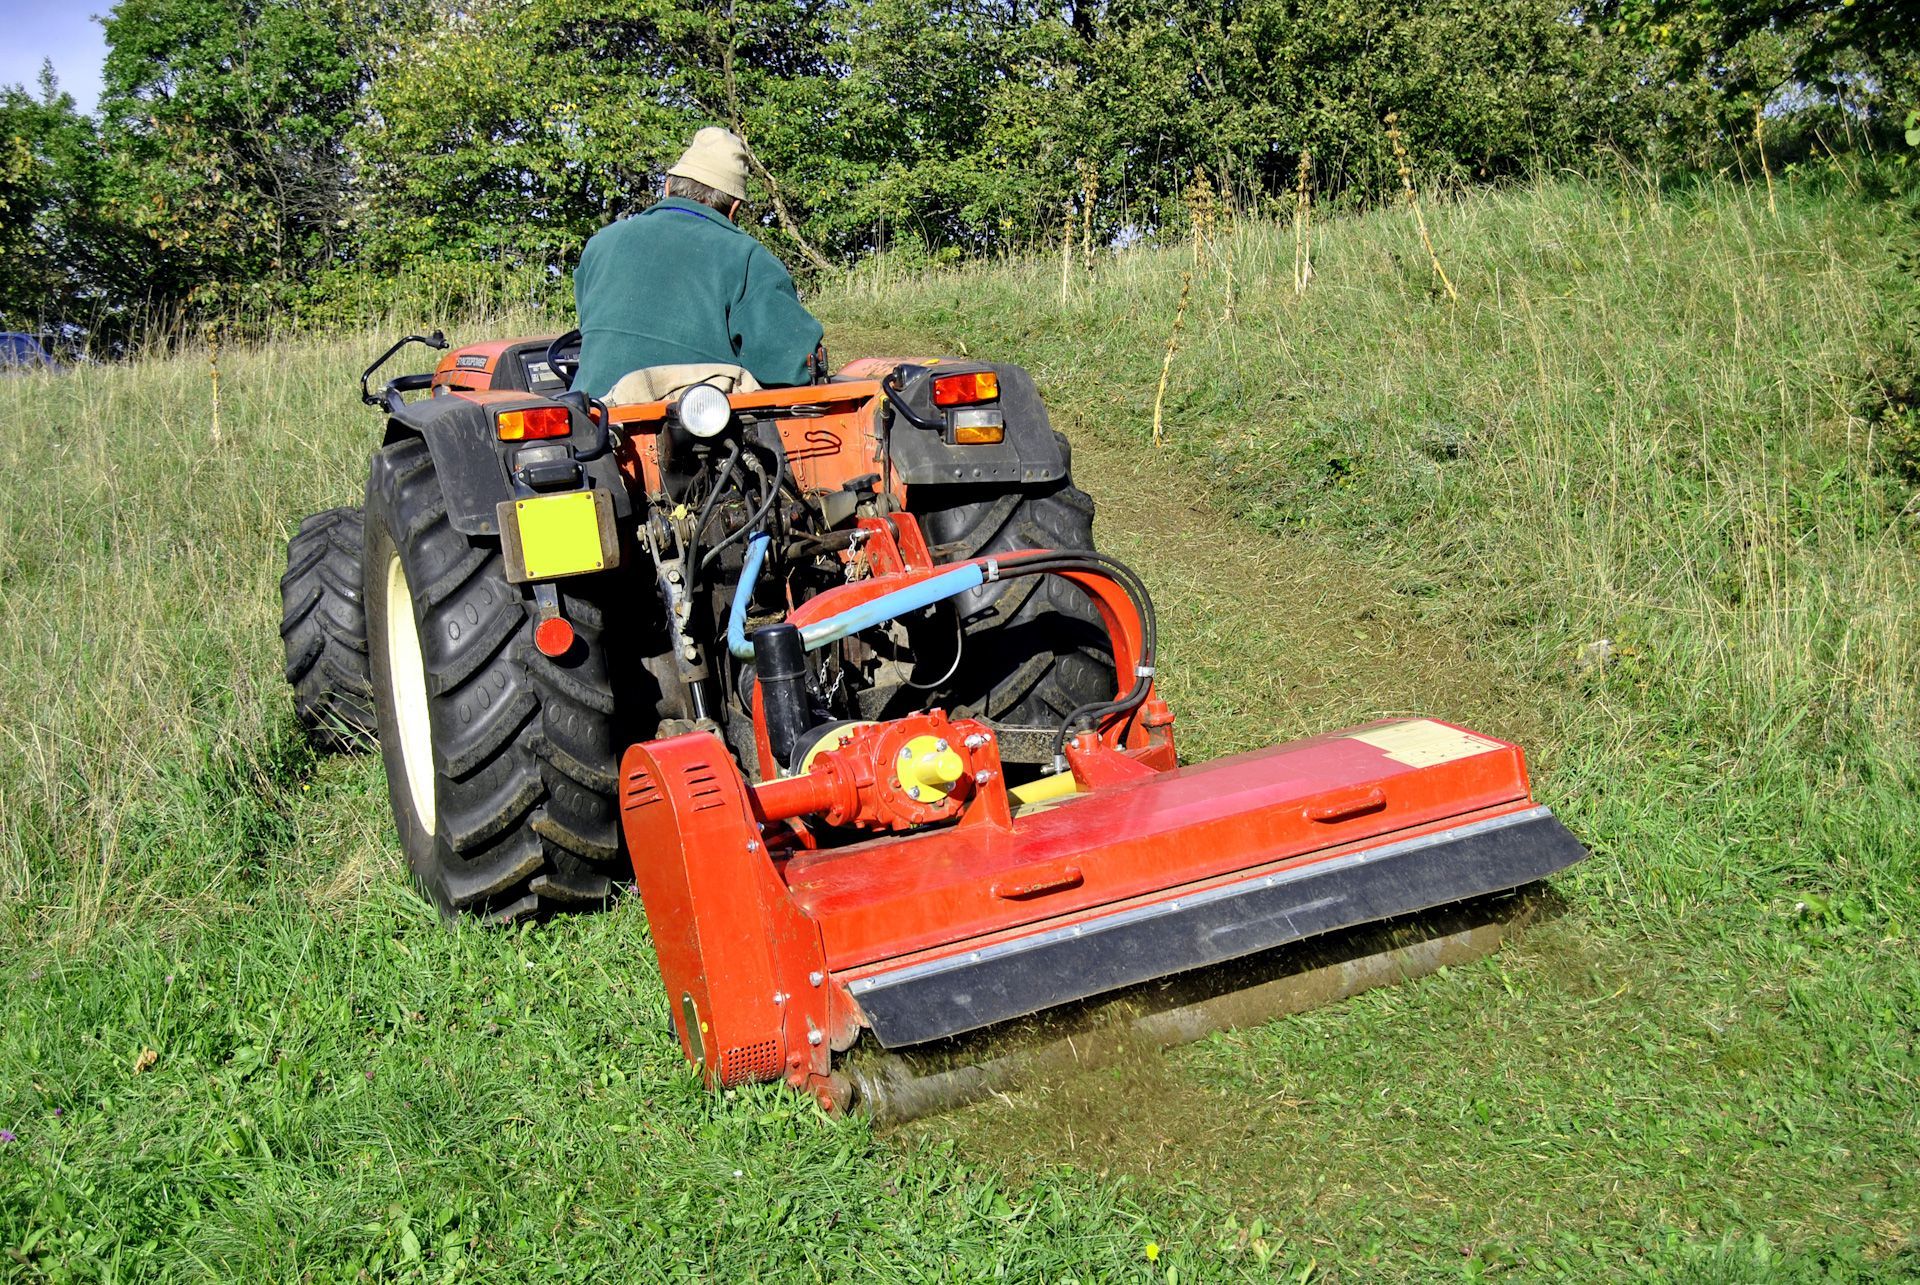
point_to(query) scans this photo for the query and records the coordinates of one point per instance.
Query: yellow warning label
(1422, 742)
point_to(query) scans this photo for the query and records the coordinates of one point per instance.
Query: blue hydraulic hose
(887, 606)
(743, 594)
(948, 584)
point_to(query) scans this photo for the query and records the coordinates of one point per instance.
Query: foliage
(972, 126)
(1864, 53)
(508, 132)
(69, 266)
(225, 121)
(254, 156)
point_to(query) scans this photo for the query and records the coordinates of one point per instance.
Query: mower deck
(1143, 874)
(953, 929)
(1196, 925)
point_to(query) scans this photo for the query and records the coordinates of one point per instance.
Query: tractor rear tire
(1035, 647)
(324, 628)
(500, 761)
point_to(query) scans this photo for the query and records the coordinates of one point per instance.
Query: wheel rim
(407, 676)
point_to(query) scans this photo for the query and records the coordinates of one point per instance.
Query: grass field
(235, 1045)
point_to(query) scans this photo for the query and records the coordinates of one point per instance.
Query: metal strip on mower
(966, 991)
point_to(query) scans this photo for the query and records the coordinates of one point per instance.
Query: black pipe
(1040, 563)
(780, 664)
(753, 524)
(720, 481)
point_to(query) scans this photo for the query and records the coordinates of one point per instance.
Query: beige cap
(717, 158)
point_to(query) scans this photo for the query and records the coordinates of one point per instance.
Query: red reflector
(540, 421)
(553, 637)
(964, 390)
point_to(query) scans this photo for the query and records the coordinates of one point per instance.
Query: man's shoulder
(620, 229)
(764, 263)
(605, 239)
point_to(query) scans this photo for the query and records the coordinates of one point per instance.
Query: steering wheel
(565, 367)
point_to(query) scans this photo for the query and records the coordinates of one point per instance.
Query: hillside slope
(1638, 423)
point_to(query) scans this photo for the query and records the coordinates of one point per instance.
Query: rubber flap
(970, 989)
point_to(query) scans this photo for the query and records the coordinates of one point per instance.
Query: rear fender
(1028, 456)
(474, 465)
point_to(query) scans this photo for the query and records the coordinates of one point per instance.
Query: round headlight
(704, 410)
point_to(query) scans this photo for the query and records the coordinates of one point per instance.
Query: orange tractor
(835, 677)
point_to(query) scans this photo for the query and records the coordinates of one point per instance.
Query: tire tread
(323, 627)
(1066, 660)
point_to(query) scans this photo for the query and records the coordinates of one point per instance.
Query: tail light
(534, 423)
(967, 389)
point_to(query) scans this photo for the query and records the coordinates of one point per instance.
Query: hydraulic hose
(890, 606)
(1092, 715)
(887, 606)
(953, 583)
(737, 642)
(724, 476)
(757, 522)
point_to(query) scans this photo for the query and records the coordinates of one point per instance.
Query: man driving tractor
(836, 675)
(680, 285)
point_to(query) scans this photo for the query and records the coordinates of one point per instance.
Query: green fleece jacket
(680, 283)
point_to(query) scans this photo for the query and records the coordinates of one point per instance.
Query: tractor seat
(666, 383)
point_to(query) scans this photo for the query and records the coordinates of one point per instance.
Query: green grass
(1639, 423)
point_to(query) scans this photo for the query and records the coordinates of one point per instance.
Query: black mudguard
(1029, 455)
(472, 462)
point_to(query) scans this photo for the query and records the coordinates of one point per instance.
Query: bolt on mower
(835, 677)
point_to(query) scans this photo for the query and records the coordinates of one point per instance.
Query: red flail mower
(786, 660)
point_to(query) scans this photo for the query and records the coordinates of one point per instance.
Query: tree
(71, 271)
(884, 137)
(1861, 51)
(225, 121)
(508, 131)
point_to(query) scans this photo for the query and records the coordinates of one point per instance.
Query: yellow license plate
(563, 535)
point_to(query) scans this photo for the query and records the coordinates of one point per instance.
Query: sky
(63, 30)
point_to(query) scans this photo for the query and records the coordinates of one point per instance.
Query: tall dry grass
(145, 750)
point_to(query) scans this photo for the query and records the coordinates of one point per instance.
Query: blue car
(24, 352)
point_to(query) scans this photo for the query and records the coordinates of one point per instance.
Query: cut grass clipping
(1621, 500)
